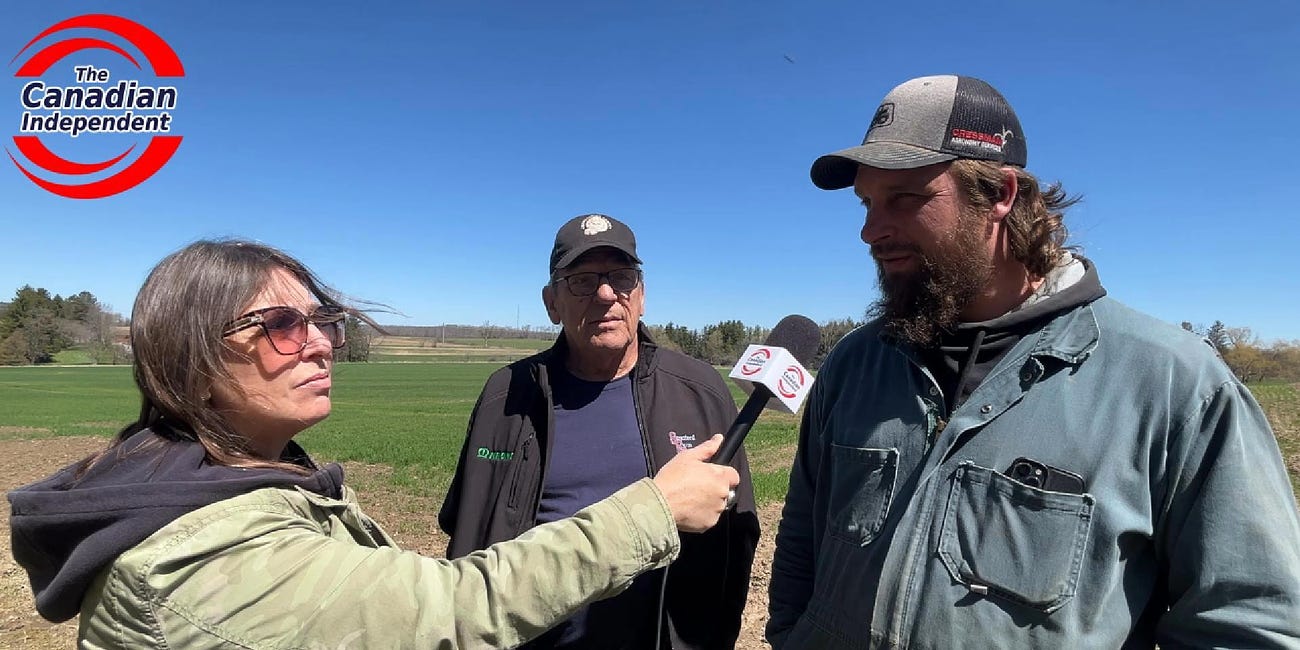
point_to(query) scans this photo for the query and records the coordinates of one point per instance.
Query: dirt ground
(21, 462)
(412, 520)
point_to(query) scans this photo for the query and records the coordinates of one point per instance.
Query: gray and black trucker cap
(930, 120)
(585, 232)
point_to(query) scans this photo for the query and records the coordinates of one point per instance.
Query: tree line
(486, 331)
(1249, 360)
(721, 344)
(35, 326)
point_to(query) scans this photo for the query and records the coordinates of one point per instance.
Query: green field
(412, 416)
(41, 402)
(1282, 404)
(409, 349)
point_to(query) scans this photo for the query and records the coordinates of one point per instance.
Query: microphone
(776, 374)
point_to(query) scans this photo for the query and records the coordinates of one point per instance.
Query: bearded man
(1006, 457)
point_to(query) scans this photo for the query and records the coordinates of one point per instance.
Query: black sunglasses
(588, 283)
(286, 327)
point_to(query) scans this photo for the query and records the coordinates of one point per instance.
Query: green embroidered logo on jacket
(487, 454)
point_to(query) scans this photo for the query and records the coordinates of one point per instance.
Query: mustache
(879, 250)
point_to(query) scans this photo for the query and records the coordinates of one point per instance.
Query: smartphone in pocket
(1044, 477)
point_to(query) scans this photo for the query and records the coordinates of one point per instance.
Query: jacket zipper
(541, 379)
(521, 467)
(661, 620)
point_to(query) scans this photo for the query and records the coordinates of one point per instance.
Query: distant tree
(360, 337)
(1285, 359)
(712, 347)
(662, 339)
(101, 341)
(1239, 337)
(1218, 336)
(81, 307)
(722, 343)
(46, 336)
(831, 333)
(28, 304)
(50, 324)
(686, 340)
(13, 350)
(1248, 363)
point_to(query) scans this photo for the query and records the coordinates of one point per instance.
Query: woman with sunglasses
(205, 525)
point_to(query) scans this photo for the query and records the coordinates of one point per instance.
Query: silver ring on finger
(731, 499)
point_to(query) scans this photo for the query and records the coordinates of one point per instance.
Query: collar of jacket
(646, 359)
(1069, 337)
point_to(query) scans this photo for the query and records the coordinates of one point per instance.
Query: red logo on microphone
(790, 382)
(754, 364)
(94, 103)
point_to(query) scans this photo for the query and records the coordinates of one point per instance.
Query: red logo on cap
(990, 138)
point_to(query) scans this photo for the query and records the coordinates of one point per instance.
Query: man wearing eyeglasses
(601, 408)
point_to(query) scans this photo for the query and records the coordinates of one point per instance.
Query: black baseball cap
(930, 120)
(585, 232)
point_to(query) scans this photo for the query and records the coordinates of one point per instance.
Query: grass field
(73, 357)
(410, 416)
(1282, 404)
(42, 402)
(424, 349)
(402, 425)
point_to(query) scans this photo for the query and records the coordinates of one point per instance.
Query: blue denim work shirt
(903, 531)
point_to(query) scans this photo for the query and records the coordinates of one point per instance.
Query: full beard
(920, 306)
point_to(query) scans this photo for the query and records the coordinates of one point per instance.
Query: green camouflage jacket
(289, 568)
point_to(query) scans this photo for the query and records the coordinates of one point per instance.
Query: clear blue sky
(423, 154)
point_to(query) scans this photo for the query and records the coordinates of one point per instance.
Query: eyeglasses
(587, 283)
(286, 327)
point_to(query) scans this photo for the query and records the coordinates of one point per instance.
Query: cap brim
(572, 256)
(836, 171)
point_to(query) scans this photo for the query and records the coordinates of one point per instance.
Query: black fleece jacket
(498, 483)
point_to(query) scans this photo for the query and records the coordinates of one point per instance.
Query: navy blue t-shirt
(597, 450)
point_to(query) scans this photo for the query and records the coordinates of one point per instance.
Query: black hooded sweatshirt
(66, 530)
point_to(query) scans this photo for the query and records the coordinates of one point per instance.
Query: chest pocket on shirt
(862, 487)
(1017, 542)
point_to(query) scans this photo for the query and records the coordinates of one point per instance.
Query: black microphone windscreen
(798, 334)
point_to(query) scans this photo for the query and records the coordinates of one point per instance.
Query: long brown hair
(176, 337)
(1036, 225)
